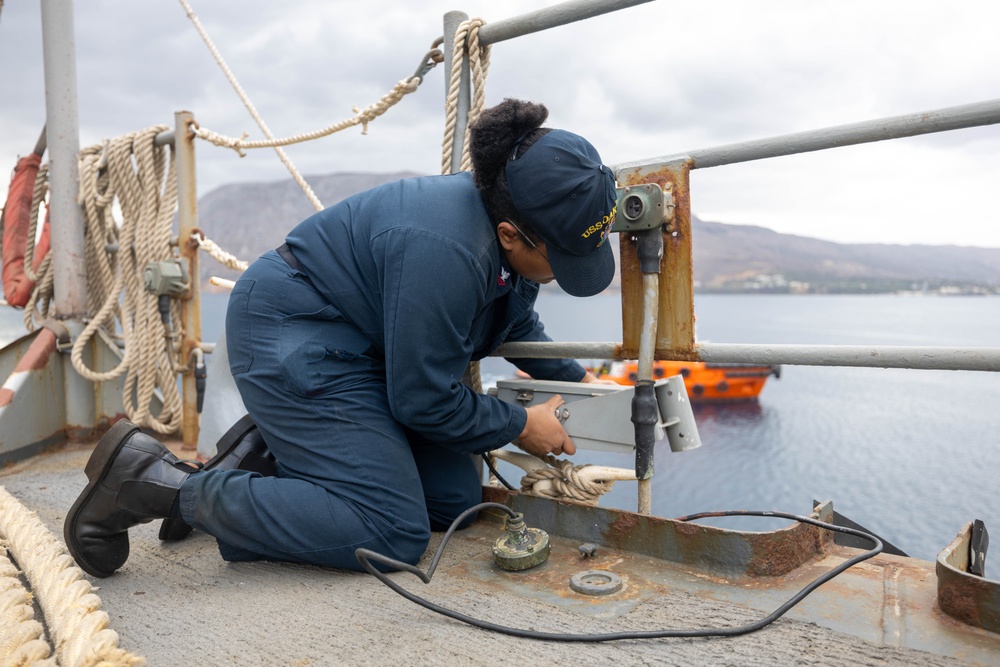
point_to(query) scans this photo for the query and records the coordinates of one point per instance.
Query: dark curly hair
(494, 137)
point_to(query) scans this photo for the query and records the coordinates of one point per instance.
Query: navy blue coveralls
(352, 368)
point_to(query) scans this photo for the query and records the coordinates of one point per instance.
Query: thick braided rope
(466, 38)
(22, 638)
(78, 627)
(40, 301)
(362, 117)
(133, 171)
(150, 238)
(466, 43)
(566, 482)
(37, 196)
(218, 254)
(287, 161)
(97, 199)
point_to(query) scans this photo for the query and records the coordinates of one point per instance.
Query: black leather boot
(133, 480)
(241, 448)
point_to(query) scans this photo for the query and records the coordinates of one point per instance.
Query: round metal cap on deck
(596, 582)
(521, 548)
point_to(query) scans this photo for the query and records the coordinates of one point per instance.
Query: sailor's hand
(544, 433)
(591, 378)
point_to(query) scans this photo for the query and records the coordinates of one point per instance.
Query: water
(911, 455)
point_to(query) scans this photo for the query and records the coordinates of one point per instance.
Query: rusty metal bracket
(967, 597)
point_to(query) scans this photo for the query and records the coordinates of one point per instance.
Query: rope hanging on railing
(287, 161)
(79, 629)
(228, 260)
(40, 302)
(134, 171)
(466, 45)
(361, 117)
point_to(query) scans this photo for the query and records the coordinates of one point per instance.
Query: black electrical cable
(365, 556)
(493, 470)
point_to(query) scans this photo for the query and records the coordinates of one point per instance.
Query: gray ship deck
(181, 604)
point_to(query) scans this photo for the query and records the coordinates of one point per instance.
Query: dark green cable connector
(520, 547)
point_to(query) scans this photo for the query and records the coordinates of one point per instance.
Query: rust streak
(37, 356)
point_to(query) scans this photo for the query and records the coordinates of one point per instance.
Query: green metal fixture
(520, 547)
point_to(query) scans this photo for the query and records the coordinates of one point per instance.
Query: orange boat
(705, 382)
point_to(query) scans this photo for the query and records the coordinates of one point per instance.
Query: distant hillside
(248, 219)
(742, 257)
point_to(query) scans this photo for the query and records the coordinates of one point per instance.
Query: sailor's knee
(406, 544)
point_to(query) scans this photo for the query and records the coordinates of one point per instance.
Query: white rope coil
(78, 627)
(550, 477)
(137, 174)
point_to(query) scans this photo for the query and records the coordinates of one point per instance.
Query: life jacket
(15, 221)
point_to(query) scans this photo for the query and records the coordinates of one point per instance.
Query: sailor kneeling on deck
(348, 345)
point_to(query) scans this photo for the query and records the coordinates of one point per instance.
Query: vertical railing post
(68, 256)
(645, 334)
(187, 222)
(451, 22)
(63, 135)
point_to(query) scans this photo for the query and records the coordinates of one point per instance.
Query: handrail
(869, 131)
(550, 17)
(861, 356)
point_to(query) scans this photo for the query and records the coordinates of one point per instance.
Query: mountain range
(248, 219)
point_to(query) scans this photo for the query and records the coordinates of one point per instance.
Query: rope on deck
(78, 627)
(22, 638)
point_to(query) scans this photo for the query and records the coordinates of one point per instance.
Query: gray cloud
(651, 80)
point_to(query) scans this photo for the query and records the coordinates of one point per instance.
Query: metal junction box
(599, 416)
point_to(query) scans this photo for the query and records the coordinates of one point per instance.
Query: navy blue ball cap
(562, 189)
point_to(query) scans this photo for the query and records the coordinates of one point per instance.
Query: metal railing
(678, 346)
(658, 306)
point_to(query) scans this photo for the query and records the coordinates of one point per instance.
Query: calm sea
(911, 455)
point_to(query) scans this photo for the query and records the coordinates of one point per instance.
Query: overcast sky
(652, 80)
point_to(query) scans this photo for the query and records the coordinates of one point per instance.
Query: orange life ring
(15, 221)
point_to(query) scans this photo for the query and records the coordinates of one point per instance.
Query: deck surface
(181, 604)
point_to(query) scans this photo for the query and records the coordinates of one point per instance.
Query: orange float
(15, 222)
(705, 382)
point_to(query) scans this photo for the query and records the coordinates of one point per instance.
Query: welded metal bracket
(598, 416)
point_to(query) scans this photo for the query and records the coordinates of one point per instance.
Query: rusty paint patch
(963, 596)
(678, 354)
(6, 397)
(37, 356)
(687, 529)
